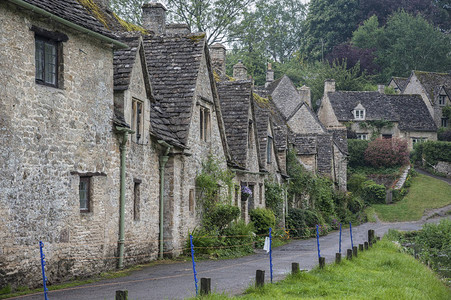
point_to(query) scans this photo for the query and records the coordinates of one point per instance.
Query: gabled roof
(160, 126)
(409, 110)
(123, 62)
(262, 119)
(173, 63)
(401, 82)
(73, 11)
(432, 82)
(235, 98)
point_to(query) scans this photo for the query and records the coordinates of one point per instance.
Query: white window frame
(359, 114)
(362, 136)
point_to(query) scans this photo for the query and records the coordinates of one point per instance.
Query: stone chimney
(218, 58)
(176, 28)
(240, 71)
(306, 95)
(154, 17)
(269, 75)
(381, 88)
(329, 86)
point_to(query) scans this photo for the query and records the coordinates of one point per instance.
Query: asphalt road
(175, 281)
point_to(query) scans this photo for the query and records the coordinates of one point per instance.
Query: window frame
(204, 123)
(137, 120)
(359, 114)
(444, 122)
(416, 140)
(440, 98)
(87, 208)
(362, 136)
(269, 143)
(43, 60)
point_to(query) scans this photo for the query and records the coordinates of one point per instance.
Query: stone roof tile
(124, 60)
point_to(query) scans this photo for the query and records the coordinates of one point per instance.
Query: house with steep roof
(375, 114)
(435, 90)
(398, 84)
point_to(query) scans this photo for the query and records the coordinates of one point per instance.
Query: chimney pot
(269, 75)
(177, 28)
(381, 88)
(154, 17)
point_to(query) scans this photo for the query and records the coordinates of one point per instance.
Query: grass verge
(425, 193)
(381, 273)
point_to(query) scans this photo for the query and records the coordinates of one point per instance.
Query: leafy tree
(405, 43)
(353, 55)
(387, 153)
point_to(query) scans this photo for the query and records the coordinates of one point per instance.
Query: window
(137, 119)
(442, 100)
(269, 150)
(136, 199)
(191, 200)
(386, 136)
(359, 114)
(418, 140)
(204, 124)
(84, 193)
(260, 185)
(362, 136)
(46, 60)
(444, 122)
(249, 135)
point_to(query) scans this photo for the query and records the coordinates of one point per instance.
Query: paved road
(175, 281)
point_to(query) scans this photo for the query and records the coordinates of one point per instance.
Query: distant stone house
(374, 114)
(398, 84)
(435, 90)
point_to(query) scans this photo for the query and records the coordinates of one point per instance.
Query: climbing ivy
(376, 126)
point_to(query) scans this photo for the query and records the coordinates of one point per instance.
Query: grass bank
(425, 193)
(381, 273)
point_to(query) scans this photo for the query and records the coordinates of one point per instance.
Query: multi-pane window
(269, 150)
(137, 119)
(418, 140)
(359, 114)
(46, 60)
(444, 122)
(136, 199)
(204, 124)
(362, 136)
(84, 193)
(386, 136)
(442, 100)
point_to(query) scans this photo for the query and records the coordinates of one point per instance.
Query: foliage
(253, 59)
(274, 197)
(302, 222)
(355, 183)
(353, 55)
(387, 152)
(210, 201)
(373, 193)
(356, 150)
(404, 44)
(432, 151)
(376, 126)
(262, 219)
(444, 134)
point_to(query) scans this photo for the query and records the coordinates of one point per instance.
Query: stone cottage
(375, 114)
(398, 84)
(435, 90)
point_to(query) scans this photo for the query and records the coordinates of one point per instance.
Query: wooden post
(370, 243)
(122, 295)
(361, 247)
(260, 278)
(205, 286)
(371, 236)
(354, 251)
(322, 262)
(366, 245)
(349, 254)
(337, 258)
(378, 238)
(294, 268)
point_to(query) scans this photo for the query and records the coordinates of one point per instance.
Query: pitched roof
(173, 63)
(401, 82)
(409, 110)
(432, 82)
(262, 119)
(123, 62)
(285, 96)
(73, 11)
(160, 126)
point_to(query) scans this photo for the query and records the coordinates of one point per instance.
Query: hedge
(373, 193)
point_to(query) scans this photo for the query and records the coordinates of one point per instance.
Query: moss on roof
(129, 26)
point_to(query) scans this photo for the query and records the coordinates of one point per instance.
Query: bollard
(337, 258)
(322, 262)
(294, 268)
(205, 286)
(378, 238)
(349, 254)
(260, 278)
(370, 243)
(354, 251)
(371, 236)
(361, 247)
(121, 295)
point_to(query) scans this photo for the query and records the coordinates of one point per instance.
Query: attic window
(269, 150)
(442, 100)
(137, 120)
(359, 114)
(204, 124)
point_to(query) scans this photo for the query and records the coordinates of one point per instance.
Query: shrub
(387, 153)
(355, 204)
(444, 134)
(262, 219)
(355, 183)
(322, 196)
(222, 215)
(373, 193)
(356, 150)
(434, 151)
(274, 196)
(302, 222)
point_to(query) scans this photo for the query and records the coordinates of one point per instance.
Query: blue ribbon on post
(194, 263)
(270, 252)
(317, 241)
(44, 279)
(339, 242)
(350, 230)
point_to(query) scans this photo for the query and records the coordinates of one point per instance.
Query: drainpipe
(163, 160)
(123, 131)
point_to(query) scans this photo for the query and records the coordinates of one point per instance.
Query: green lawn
(425, 193)
(381, 273)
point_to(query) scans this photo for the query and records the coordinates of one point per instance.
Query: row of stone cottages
(103, 132)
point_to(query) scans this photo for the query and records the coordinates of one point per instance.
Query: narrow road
(175, 281)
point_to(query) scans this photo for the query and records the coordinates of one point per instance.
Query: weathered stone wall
(308, 161)
(414, 87)
(48, 137)
(304, 122)
(340, 168)
(325, 155)
(326, 113)
(443, 167)
(409, 136)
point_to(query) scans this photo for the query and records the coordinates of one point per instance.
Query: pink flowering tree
(387, 153)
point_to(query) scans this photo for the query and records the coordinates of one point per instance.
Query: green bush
(274, 196)
(222, 215)
(434, 151)
(356, 150)
(373, 193)
(262, 219)
(355, 183)
(355, 204)
(302, 222)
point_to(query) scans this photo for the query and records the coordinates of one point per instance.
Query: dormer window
(359, 112)
(441, 100)
(204, 124)
(137, 120)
